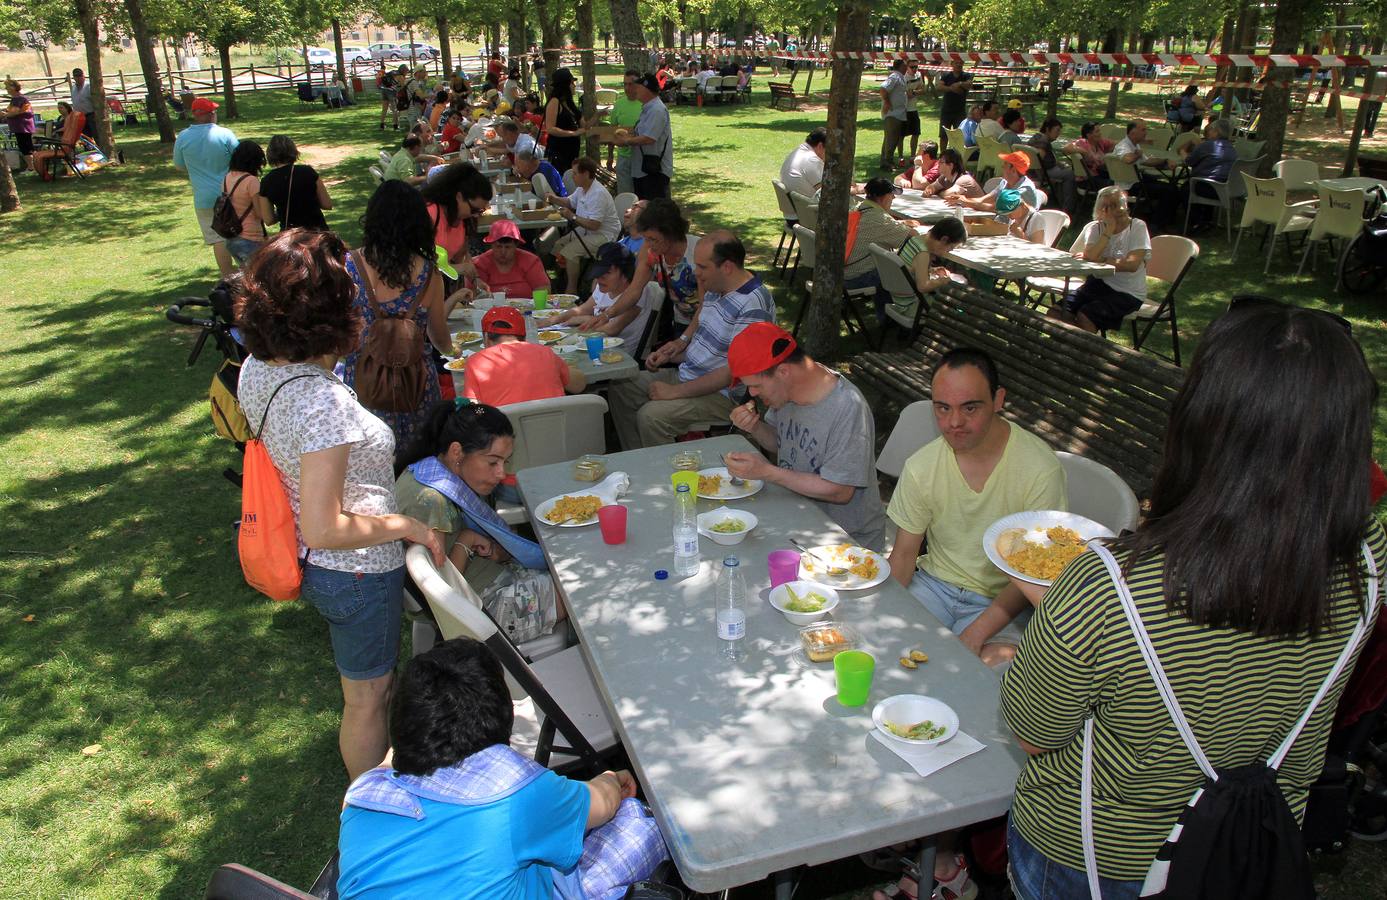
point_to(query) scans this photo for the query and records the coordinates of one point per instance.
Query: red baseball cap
(503, 320)
(202, 104)
(758, 347)
(502, 228)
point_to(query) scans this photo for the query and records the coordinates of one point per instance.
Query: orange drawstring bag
(268, 543)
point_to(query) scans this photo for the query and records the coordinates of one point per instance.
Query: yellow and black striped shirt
(1241, 694)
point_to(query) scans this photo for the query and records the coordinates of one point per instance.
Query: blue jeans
(363, 611)
(242, 249)
(956, 608)
(1035, 877)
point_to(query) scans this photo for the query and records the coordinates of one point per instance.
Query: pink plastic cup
(612, 521)
(784, 566)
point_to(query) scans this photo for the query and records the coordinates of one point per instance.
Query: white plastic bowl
(908, 709)
(779, 597)
(707, 520)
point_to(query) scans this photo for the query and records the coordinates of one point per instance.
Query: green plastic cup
(853, 669)
(541, 297)
(689, 478)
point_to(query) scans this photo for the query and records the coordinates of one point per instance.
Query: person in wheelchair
(457, 813)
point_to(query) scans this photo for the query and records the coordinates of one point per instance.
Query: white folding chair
(556, 429)
(852, 316)
(384, 158)
(1340, 215)
(915, 427)
(898, 281)
(555, 696)
(1056, 220)
(1051, 284)
(991, 184)
(790, 217)
(1171, 259)
(730, 87)
(688, 89)
(377, 174)
(806, 210)
(1266, 206)
(1112, 131)
(1097, 492)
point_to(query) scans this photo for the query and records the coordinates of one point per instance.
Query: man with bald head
(657, 406)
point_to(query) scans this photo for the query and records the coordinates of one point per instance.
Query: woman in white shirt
(592, 211)
(1113, 236)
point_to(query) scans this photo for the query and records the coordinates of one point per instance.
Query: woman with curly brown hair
(297, 314)
(395, 277)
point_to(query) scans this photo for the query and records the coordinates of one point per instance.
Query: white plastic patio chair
(1340, 215)
(1225, 192)
(1299, 174)
(1112, 131)
(377, 174)
(1171, 259)
(991, 184)
(898, 281)
(852, 316)
(915, 427)
(806, 210)
(604, 96)
(688, 90)
(1183, 139)
(1266, 206)
(1098, 493)
(787, 234)
(624, 201)
(989, 155)
(384, 158)
(1248, 149)
(1056, 220)
(556, 429)
(555, 696)
(1122, 172)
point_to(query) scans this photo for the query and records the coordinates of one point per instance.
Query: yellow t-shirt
(932, 498)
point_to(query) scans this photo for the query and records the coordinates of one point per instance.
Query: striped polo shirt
(1241, 693)
(722, 318)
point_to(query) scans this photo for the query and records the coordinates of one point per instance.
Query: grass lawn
(157, 718)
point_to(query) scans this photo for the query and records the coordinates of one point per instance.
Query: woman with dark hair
(290, 194)
(454, 198)
(667, 258)
(1188, 109)
(562, 122)
(954, 179)
(1252, 579)
(460, 814)
(1093, 147)
(296, 312)
(447, 477)
(241, 184)
(396, 277)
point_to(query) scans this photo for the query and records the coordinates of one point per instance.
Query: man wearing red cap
(818, 425)
(1015, 165)
(508, 268)
(508, 370)
(203, 150)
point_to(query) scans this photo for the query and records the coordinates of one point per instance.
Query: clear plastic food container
(824, 640)
(589, 468)
(687, 461)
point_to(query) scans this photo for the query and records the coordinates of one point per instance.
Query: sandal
(906, 888)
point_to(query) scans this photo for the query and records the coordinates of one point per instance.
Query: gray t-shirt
(317, 413)
(894, 86)
(834, 439)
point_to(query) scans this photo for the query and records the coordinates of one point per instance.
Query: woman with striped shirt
(1249, 575)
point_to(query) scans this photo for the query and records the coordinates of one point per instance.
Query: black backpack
(1237, 836)
(225, 221)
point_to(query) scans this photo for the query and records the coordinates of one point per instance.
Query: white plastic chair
(1183, 139)
(624, 201)
(1098, 493)
(806, 210)
(790, 217)
(1112, 131)
(556, 429)
(569, 181)
(1266, 205)
(1247, 149)
(730, 87)
(1056, 220)
(898, 281)
(557, 687)
(852, 316)
(989, 155)
(1121, 171)
(604, 96)
(1299, 174)
(1225, 192)
(915, 427)
(991, 184)
(1171, 258)
(1340, 215)
(377, 174)
(384, 158)
(688, 89)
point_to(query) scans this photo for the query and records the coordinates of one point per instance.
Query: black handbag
(651, 165)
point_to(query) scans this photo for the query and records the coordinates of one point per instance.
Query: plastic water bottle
(686, 558)
(731, 612)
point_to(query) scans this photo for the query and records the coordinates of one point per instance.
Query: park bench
(785, 91)
(1077, 391)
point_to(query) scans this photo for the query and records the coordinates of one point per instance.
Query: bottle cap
(730, 561)
(661, 574)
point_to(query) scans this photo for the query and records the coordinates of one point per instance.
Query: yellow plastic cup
(689, 478)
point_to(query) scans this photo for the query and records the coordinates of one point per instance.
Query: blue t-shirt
(205, 152)
(506, 850)
(551, 175)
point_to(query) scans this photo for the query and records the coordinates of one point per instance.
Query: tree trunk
(1225, 73)
(666, 31)
(1112, 42)
(1276, 97)
(1052, 104)
(229, 88)
(550, 13)
(149, 65)
(337, 48)
(515, 39)
(445, 49)
(683, 7)
(1356, 139)
(493, 32)
(588, 62)
(9, 194)
(626, 24)
(101, 117)
(821, 320)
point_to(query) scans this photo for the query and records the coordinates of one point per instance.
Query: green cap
(1008, 200)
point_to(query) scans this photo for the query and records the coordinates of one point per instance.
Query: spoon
(733, 479)
(832, 569)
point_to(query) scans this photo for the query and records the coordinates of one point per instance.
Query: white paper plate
(811, 569)
(543, 510)
(727, 491)
(1035, 522)
(910, 709)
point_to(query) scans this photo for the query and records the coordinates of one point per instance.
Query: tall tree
(9, 194)
(149, 67)
(825, 305)
(626, 24)
(588, 58)
(550, 14)
(91, 36)
(1286, 34)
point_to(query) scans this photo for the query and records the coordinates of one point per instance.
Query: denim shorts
(363, 611)
(243, 248)
(957, 608)
(1036, 877)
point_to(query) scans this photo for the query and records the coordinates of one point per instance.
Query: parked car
(356, 54)
(421, 51)
(382, 51)
(321, 56)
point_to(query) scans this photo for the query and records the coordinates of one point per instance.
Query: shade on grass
(124, 622)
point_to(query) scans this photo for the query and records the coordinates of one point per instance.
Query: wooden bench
(784, 90)
(1079, 392)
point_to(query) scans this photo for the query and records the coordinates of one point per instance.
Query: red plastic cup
(784, 566)
(612, 521)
